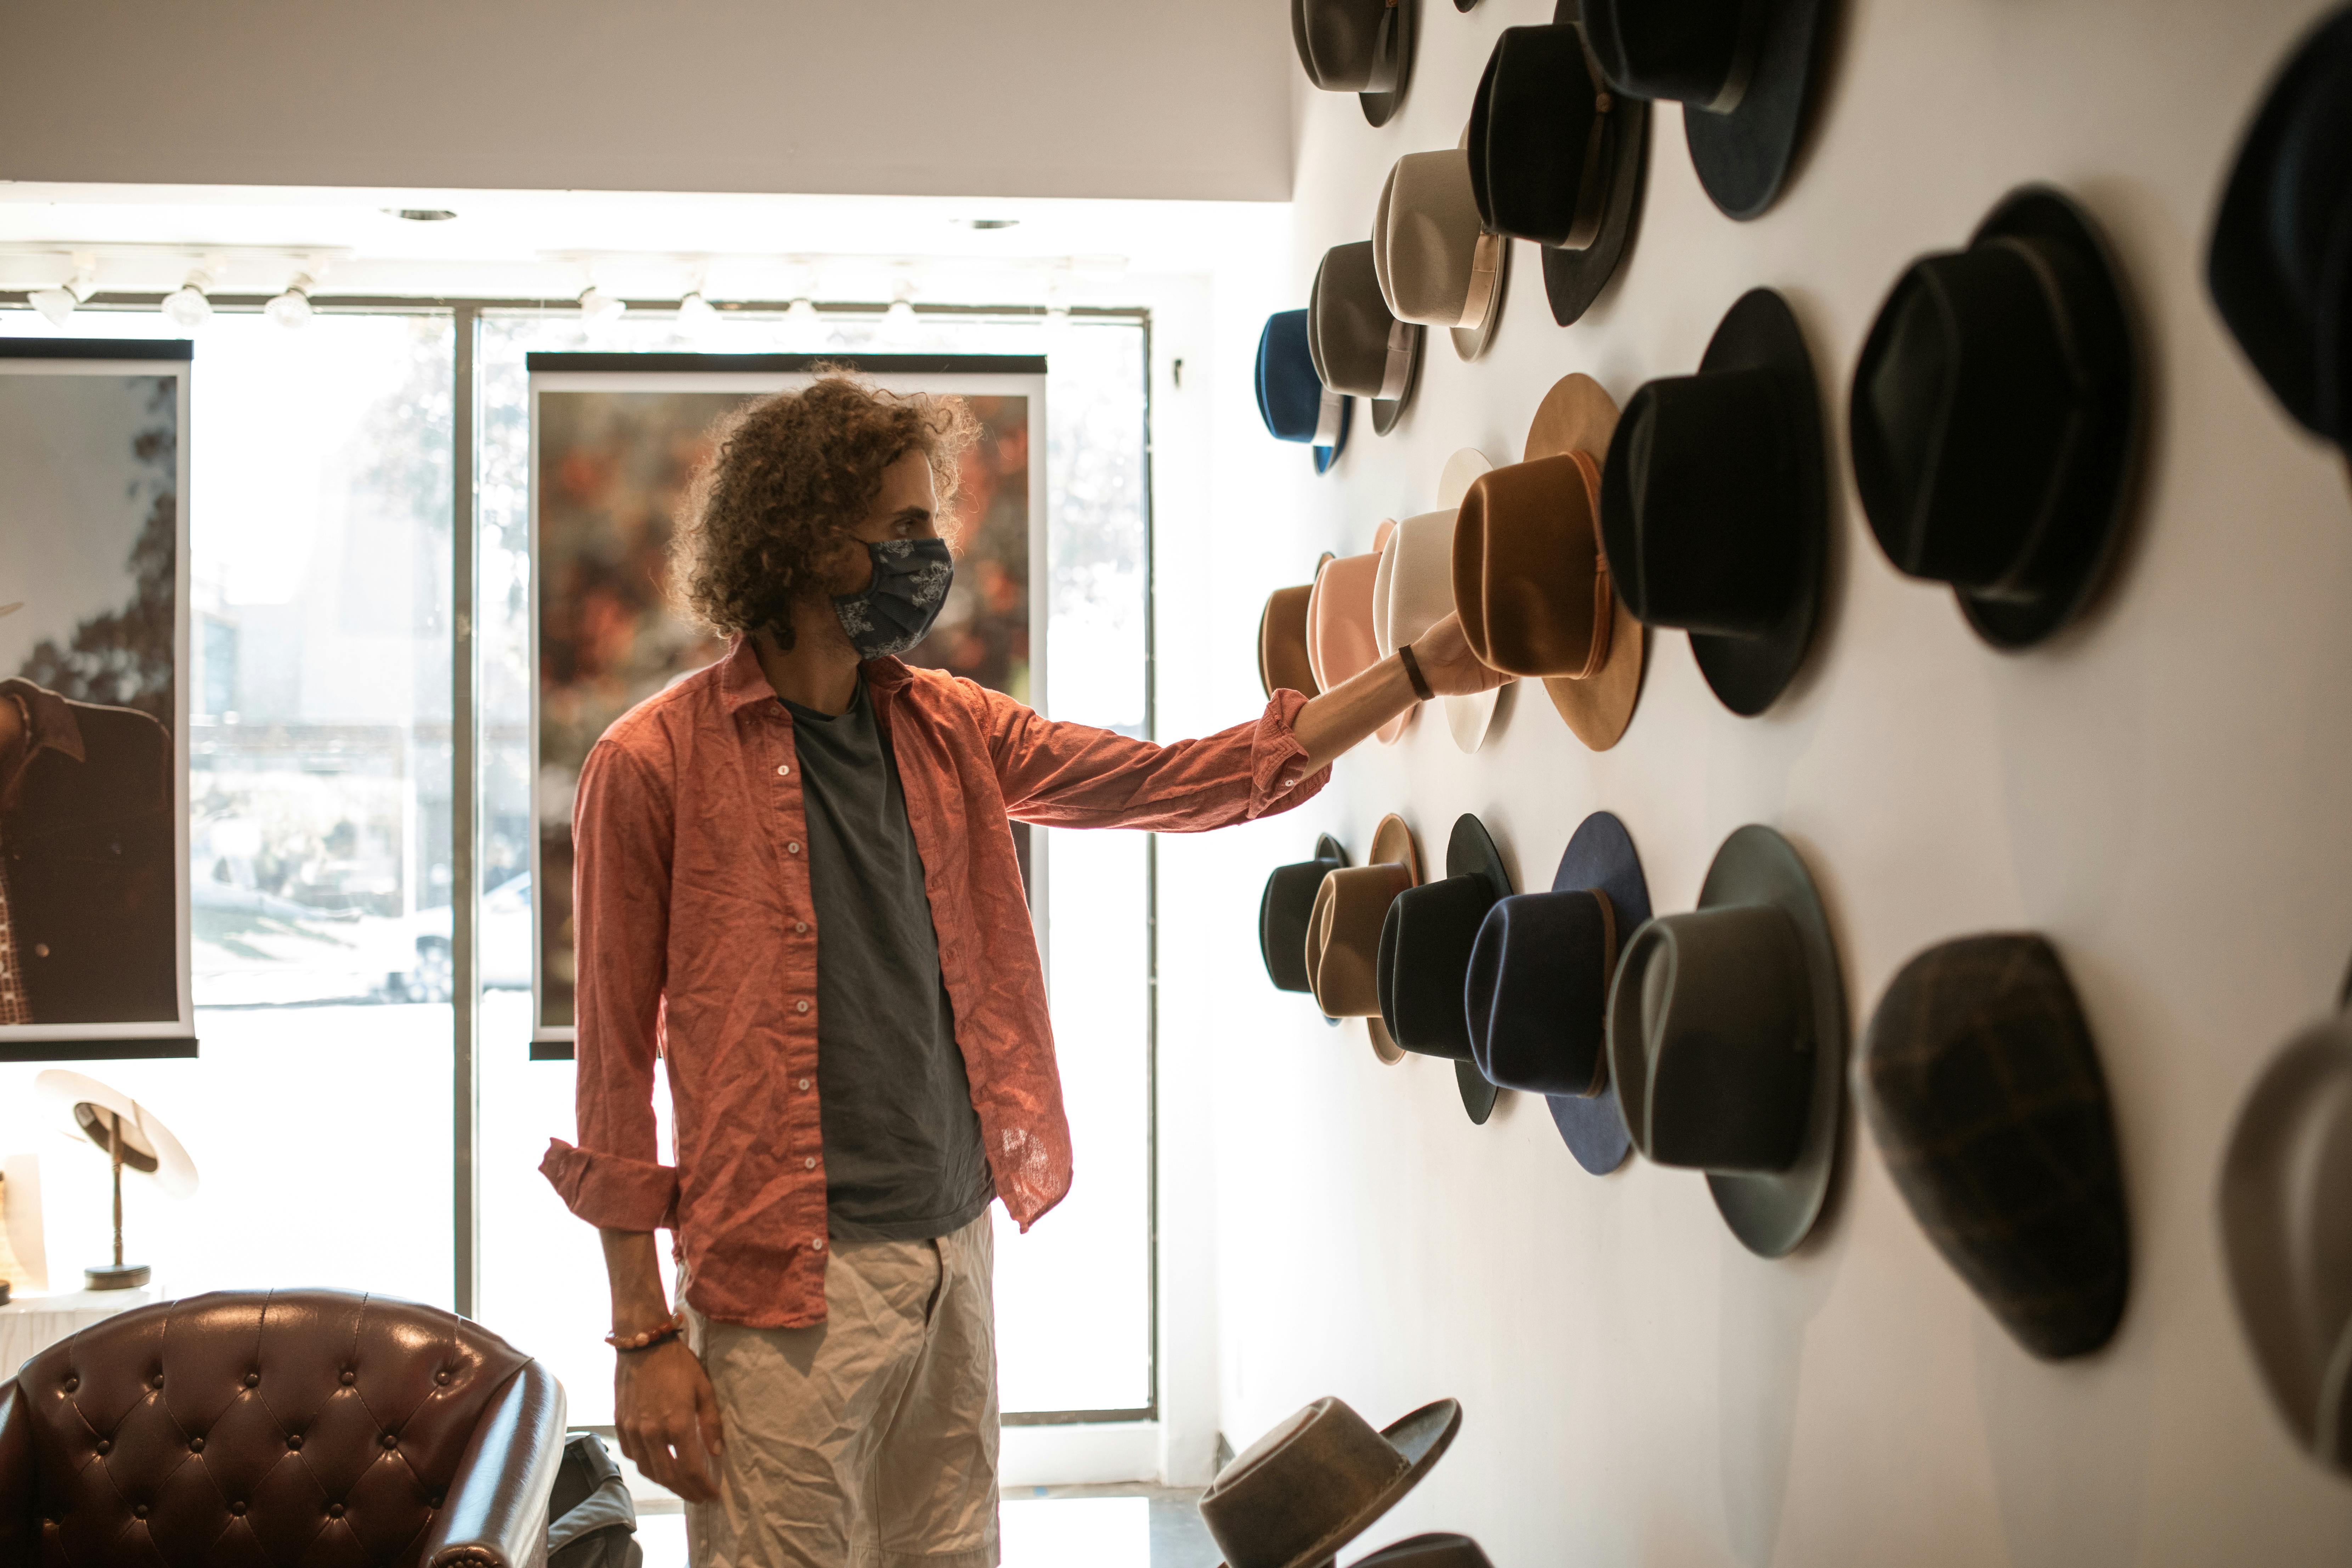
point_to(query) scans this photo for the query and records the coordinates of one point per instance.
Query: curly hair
(789, 479)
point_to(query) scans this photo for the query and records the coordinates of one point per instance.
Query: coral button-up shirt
(697, 942)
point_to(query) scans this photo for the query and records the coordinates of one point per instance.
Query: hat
(1529, 577)
(1979, 1081)
(1714, 504)
(1359, 347)
(1291, 399)
(86, 1107)
(1364, 46)
(1425, 956)
(2280, 268)
(1429, 1550)
(1726, 1038)
(1556, 158)
(1340, 639)
(1994, 412)
(1438, 264)
(2284, 1243)
(1743, 70)
(1537, 987)
(1413, 590)
(1283, 911)
(1298, 1495)
(1343, 930)
(1282, 661)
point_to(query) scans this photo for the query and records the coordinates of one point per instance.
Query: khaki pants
(868, 1442)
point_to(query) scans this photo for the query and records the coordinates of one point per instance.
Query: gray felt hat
(1319, 1479)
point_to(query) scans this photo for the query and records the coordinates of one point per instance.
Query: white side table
(31, 1324)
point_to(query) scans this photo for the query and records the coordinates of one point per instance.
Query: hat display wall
(1340, 641)
(1726, 1040)
(1283, 664)
(1424, 958)
(1995, 411)
(1343, 930)
(1285, 909)
(1537, 987)
(1429, 1552)
(2280, 268)
(1437, 261)
(1744, 70)
(1558, 158)
(1715, 504)
(1364, 46)
(134, 1139)
(2286, 1234)
(1357, 345)
(1291, 398)
(1529, 576)
(1413, 590)
(1318, 1480)
(1979, 1081)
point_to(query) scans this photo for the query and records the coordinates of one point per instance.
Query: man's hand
(1448, 665)
(668, 1419)
(1344, 715)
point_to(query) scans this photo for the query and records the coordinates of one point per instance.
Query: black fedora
(1715, 504)
(2280, 265)
(1726, 1038)
(1994, 414)
(1282, 913)
(1357, 344)
(1364, 46)
(1425, 944)
(1537, 989)
(1556, 158)
(1980, 1083)
(1743, 70)
(1436, 1550)
(1298, 1495)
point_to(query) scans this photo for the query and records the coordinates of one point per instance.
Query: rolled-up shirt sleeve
(621, 833)
(1075, 775)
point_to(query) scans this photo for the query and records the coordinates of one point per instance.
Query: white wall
(1038, 97)
(2160, 792)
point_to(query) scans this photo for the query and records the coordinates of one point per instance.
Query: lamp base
(117, 1276)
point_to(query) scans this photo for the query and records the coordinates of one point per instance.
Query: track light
(802, 312)
(186, 305)
(696, 315)
(596, 307)
(291, 309)
(57, 305)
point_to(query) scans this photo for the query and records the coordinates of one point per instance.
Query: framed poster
(93, 700)
(615, 441)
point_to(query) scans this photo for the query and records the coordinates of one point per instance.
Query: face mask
(911, 578)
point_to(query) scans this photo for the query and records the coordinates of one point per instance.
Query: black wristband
(1413, 673)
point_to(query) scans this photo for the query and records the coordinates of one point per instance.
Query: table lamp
(133, 1137)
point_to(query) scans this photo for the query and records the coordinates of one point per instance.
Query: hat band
(1608, 971)
(1397, 374)
(1485, 273)
(1328, 414)
(1743, 60)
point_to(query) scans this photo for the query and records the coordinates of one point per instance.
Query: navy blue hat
(1290, 398)
(1537, 989)
(2281, 266)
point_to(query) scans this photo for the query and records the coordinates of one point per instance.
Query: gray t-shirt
(903, 1157)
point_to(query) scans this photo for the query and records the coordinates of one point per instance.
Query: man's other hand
(668, 1419)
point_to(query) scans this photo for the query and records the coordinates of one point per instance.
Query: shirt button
(817, 1246)
(783, 768)
(800, 926)
(799, 1006)
(792, 848)
(809, 1164)
(803, 1083)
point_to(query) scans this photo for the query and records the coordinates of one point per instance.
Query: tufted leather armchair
(265, 1430)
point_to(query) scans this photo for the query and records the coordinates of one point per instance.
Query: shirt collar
(53, 728)
(743, 683)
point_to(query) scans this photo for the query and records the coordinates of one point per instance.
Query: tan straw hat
(1438, 265)
(1529, 576)
(1343, 933)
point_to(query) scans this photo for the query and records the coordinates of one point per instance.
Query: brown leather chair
(280, 1427)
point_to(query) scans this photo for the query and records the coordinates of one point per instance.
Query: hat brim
(1601, 857)
(1468, 718)
(1748, 673)
(1579, 415)
(1329, 854)
(1470, 342)
(1392, 841)
(1387, 411)
(1420, 1438)
(1772, 1212)
(1380, 107)
(1574, 278)
(64, 1089)
(1743, 158)
(1470, 852)
(2088, 523)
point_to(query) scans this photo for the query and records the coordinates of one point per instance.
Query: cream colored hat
(1437, 263)
(1413, 590)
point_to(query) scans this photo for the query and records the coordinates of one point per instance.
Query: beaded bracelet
(647, 1338)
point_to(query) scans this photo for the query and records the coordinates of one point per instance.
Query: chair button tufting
(238, 1509)
(350, 1377)
(294, 1440)
(253, 1380)
(159, 1381)
(139, 1513)
(441, 1377)
(334, 1510)
(391, 1441)
(195, 1445)
(105, 1446)
(72, 1384)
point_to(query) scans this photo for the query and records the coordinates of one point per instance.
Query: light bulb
(291, 309)
(597, 307)
(696, 315)
(186, 305)
(56, 305)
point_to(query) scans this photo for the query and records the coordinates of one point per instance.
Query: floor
(1091, 1527)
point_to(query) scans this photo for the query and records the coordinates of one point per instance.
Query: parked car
(502, 934)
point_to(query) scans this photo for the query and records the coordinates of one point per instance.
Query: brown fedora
(1319, 1480)
(1529, 578)
(1343, 933)
(1340, 639)
(1282, 661)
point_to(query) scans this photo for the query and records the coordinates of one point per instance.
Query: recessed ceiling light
(988, 222)
(422, 215)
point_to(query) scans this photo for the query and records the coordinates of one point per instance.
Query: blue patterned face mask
(911, 578)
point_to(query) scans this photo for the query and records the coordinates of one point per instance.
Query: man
(795, 881)
(88, 921)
